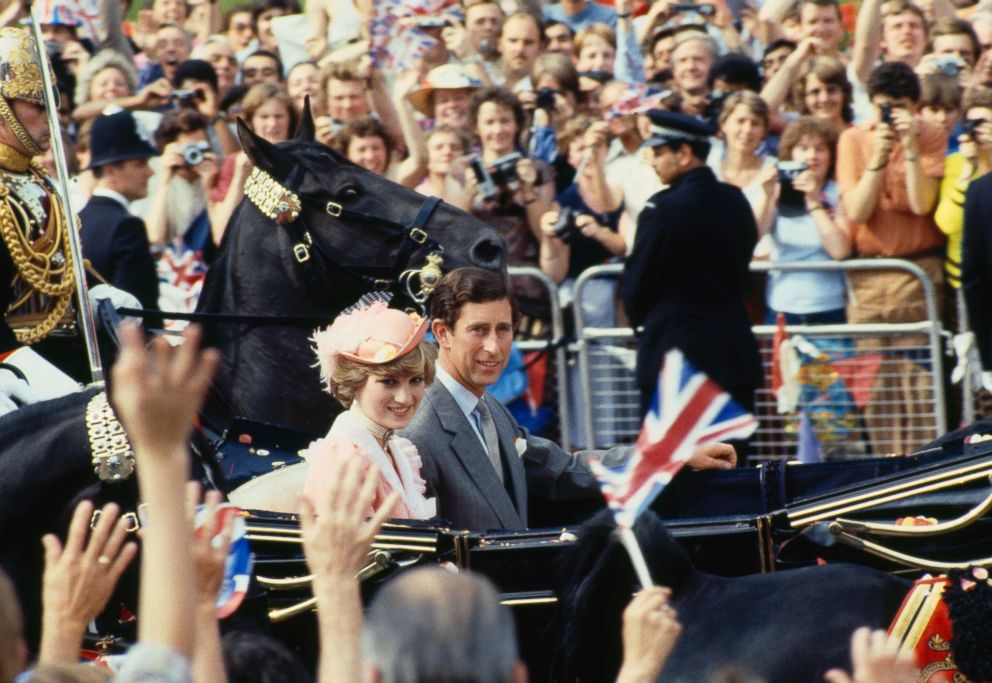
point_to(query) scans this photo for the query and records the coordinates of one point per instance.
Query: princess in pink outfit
(373, 359)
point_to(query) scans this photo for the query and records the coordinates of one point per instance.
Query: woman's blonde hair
(749, 99)
(259, 94)
(349, 376)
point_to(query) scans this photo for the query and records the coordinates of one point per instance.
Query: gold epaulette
(44, 284)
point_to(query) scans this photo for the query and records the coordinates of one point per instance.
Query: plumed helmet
(20, 70)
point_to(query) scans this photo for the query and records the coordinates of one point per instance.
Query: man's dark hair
(468, 286)
(265, 53)
(237, 9)
(197, 70)
(895, 79)
(254, 658)
(259, 6)
(777, 44)
(178, 121)
(735, 69)
(548, 23)
(700, 149)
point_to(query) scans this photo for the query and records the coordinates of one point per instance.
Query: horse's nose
(489, 253)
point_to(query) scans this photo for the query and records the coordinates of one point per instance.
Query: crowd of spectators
(530, 116)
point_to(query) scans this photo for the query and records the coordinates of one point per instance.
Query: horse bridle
(285, 207)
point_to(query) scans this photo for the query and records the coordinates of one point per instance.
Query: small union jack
(688, 410)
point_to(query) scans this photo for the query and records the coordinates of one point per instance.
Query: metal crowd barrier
(556, 348)
(874, 389)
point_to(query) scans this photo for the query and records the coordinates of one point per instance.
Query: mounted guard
(39, 252)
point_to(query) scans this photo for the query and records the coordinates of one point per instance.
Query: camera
(546, 98)
(791, 202)
(565, 228)
(705, 10)
(186, 98)
(886, 110)
(193, 153)
(968, 126)
(714, 105)
(501, 173)
(504, 170)
(948, 65)
(487, 188)
(790, 170)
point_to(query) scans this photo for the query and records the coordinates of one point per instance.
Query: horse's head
(339, 216)
(597, 582)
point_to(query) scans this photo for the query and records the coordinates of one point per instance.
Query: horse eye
(349, 192)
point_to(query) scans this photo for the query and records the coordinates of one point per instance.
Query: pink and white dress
(399, 466)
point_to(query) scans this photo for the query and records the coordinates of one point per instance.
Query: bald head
(430, 624)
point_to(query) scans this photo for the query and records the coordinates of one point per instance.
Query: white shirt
(464, 399)
(112, 194)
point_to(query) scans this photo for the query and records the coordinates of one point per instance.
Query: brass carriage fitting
(272, 199)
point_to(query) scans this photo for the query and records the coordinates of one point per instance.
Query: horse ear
(306, 130)
(261, 152)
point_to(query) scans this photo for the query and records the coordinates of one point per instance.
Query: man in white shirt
(113, 240)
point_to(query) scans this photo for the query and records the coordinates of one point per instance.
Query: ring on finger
(103, 560)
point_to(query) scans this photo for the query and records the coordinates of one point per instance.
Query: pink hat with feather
(369, 333)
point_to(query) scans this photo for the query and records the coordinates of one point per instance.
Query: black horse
(786, 627)
(354, 230)
(383, 231)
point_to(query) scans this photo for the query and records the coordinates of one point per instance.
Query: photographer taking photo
(510, 191)
(177, 219)
(809, 225)
(587, 223)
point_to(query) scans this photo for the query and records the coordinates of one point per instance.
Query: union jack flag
(688, 410)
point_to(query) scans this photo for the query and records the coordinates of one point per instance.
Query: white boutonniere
(521, 445)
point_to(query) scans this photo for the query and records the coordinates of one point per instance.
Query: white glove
(118, 297)
(14, 388)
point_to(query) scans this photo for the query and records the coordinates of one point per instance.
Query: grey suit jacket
(469, 493)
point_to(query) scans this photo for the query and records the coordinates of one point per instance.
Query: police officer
(36, 276)
(686, 277)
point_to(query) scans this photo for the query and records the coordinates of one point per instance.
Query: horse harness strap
(285, 207)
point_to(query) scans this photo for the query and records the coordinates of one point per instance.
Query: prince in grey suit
(479, 461)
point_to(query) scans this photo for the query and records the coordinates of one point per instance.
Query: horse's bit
(285, 206)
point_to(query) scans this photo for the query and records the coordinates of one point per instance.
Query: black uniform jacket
(116, 244)
(976, 264)
(685, 282)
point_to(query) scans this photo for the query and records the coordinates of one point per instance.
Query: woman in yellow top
(973, 160)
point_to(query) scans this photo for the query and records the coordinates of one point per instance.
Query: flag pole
(629, 541)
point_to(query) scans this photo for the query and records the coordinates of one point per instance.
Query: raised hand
(650, 630)
(337, 536)
(876, 659)
(80, 577)
(156, 395)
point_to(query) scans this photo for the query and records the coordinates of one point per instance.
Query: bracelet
(878, 168)
(912, 159)
(625, 15)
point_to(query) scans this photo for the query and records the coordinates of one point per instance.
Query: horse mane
(596, 581)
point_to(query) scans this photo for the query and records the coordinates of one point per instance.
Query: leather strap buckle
(417, 235)
(301, 252)
(333, 209)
